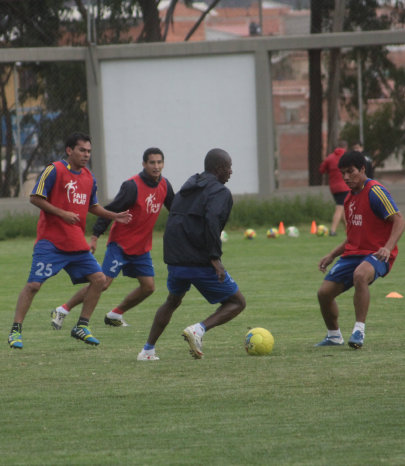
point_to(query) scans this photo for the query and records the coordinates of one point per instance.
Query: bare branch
(169, 17)
(201, 19)
(82, 10)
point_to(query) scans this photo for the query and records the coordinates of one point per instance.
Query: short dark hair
(214, 159)
(72, 139)
(152, 150)
(352, 159)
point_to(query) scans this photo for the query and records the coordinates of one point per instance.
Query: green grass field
(66, 403)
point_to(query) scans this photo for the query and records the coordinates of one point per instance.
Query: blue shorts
(132, 266)
(342, 271)
(205, 279)
(47, 261)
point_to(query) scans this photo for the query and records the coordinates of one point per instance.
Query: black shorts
(340, 197)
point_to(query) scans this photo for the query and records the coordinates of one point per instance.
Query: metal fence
(47, 92)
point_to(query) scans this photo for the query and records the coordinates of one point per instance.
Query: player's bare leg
(329, 308)
(337, 217)
(78, 297)
(163, 316)
(330, 312)
(146, 288)
(227, 311)
(25, 299)
(82, 330)
(24, 302)
(362, 277)
(92, 295)
(136, 296)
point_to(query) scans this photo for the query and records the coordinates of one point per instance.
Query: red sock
(65, 307)
(117, 310)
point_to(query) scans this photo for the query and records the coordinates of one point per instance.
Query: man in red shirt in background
(338, 187)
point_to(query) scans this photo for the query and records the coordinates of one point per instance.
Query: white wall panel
(185, 106)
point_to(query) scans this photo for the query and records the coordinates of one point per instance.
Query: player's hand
(219, 269)
(383, 254)
(93, 244)
(324, 262)
(123, 217)
(70, 217)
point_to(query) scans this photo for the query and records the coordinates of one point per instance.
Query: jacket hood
(196, 182)
(339, 151)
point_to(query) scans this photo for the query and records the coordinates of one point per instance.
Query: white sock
(359, 326)
(62, 310)
(114, 315)
(335, 333)
(199, 329)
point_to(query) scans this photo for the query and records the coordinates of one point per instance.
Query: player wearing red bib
(337, 186)
(65, 192)
(374, 226)
(129, 246)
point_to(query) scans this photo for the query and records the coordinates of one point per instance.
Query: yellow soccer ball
(250, 233)
(322, 230)
(272, 233)
(259, 342)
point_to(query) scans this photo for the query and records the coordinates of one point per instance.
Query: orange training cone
(313, 228)
(394, 294)
(281, 229)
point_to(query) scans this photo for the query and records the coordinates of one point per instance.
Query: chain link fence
(42, 102)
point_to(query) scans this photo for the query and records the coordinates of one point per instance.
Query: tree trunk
(7, 174)
(315, 100)
(151, 22)
(334, 79)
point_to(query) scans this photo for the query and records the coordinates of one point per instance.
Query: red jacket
(330, 166)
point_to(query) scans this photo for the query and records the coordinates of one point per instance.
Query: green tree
(58, 88)
(380, 78)
(23, 23)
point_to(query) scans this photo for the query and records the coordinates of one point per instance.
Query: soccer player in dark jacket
(192, 252)
(128, 249)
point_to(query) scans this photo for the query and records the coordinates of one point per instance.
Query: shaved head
(214, 159)
(219, 163)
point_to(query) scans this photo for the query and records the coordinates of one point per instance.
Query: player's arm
(219, 269)
(125, 198)
(169, 195)
(121, 217)
(41, 191)
(217, 213)
(384, 206)
(43, 204)
(329, 258)
(383, 254)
